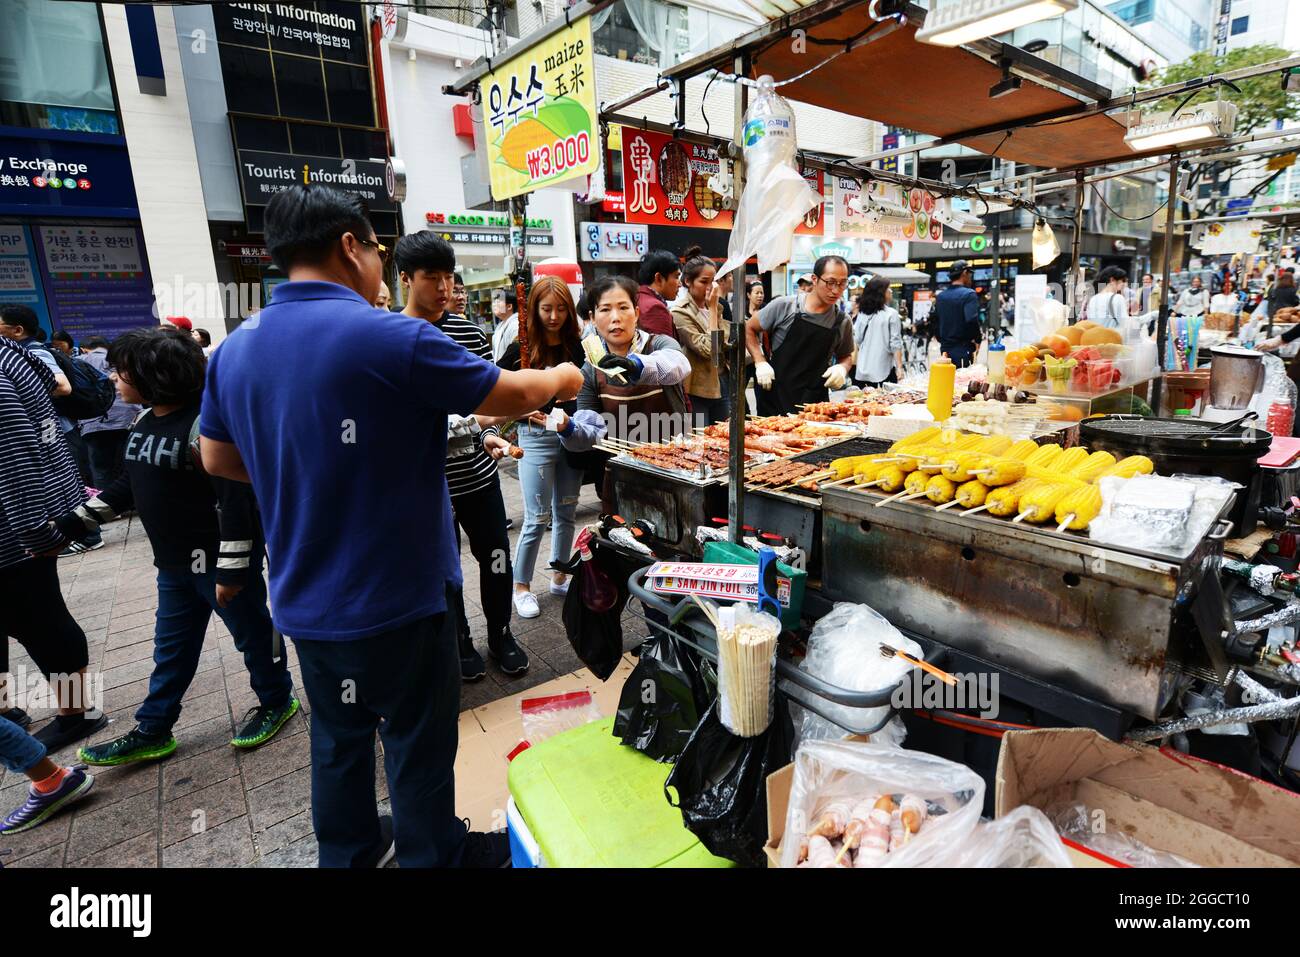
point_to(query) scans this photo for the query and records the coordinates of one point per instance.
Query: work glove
(765, 375)
(835, 377)
(629, 366)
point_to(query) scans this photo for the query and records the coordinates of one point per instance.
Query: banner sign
(539, 112)
(20, 280)
(98, 283)
(666, 182)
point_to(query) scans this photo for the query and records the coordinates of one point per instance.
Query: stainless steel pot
(1236, 374)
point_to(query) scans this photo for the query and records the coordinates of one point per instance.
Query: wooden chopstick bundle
(746, 669)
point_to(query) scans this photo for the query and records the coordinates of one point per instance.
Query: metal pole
(1076, 274)
(736, 431)
(1166, 297)
(1281, 245)
(994, 332)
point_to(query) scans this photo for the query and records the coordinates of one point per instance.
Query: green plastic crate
(591, 801)
(729, 553)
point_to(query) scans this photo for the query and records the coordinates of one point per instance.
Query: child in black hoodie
(206, 544)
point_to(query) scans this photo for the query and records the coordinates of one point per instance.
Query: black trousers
(33, 613)
(107, 455)
(482, 517)
(77, 443)
(405, 684)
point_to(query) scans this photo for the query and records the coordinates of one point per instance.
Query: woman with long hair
(877, 335)
(696, 318)
(548, 481)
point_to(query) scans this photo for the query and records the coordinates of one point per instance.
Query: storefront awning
(899, 274)
(892, 78)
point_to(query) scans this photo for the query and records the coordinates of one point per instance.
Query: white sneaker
(559, 589)
(526, 605)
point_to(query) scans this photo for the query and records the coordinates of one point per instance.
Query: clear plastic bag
(746, 669)
(776, 197)
(1075, 821)
(546, 717)
(844, 650)
(1023, 838)
(834, 778)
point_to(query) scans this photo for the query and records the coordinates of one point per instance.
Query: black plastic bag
(721, 783)
(596, 637)
(663, 698)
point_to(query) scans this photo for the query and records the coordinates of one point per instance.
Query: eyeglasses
(834, 283)
(379, 247)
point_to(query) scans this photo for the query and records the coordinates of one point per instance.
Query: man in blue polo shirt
(345, 446)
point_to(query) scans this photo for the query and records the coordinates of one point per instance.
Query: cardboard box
(1204, 812)
(778, 803)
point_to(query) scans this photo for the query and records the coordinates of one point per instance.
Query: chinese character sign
(539, 111)
(666, 182)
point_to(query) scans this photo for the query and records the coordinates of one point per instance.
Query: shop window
(349, 94)
(359, 143)
(301, 87)
(250, 82)
(269, 136)
(310, 140)
(52, 56)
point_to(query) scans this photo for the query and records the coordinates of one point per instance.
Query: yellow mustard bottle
(943, 376)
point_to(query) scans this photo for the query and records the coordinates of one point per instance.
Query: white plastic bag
(776, 197)
(1023, 838)
(827, 773)
(844, 650)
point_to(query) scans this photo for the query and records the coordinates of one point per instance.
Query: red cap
(181, 322)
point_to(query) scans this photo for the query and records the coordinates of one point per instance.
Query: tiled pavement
(210, 805)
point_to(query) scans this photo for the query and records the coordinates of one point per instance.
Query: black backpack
(92, 392)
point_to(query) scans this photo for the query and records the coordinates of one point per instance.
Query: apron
(618, 401)
(799, 365)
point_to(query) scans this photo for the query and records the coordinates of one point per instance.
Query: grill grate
(828, 453)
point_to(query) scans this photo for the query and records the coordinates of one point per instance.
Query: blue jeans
(547, 481)
(186, 602)
(405, 684)
(19, 751)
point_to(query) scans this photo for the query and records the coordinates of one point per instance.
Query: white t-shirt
(1107, 309)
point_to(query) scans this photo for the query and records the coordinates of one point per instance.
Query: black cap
(957, 268)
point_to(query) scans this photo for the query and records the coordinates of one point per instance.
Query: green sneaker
(129, 748)
(261, 724)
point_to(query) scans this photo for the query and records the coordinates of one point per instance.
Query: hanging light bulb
(1045, 246)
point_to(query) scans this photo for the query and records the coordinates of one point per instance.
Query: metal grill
(825, 454)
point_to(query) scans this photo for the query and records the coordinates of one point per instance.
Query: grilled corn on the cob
(1077, 509)
(1131, 466)
(1039, 503)
(971, 494)
(940, 490)
(1000, 471)
(1093, 466)
(1005, 501)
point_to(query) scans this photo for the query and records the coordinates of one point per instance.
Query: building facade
(73, 242)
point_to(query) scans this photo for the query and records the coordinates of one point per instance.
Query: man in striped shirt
(427, 265)
(38, 481)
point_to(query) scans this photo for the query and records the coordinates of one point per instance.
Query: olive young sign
(262, 175)
(539, 109)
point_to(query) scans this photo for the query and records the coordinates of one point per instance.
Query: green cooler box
(590, 801)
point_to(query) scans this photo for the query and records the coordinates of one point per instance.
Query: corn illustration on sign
(539, 114)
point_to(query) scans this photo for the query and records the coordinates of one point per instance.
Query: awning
(898, 274)
(941, 91)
